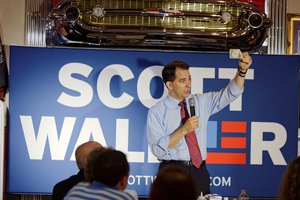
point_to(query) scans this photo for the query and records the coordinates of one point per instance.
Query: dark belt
(180, 162)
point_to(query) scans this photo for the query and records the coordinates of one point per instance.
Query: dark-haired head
(168, 72)
(111, 167)
(290, 185)
(173, 183)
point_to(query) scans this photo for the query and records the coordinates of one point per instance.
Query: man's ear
(122, 184)
(169, 85)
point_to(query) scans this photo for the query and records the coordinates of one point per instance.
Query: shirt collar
(99, 184)
(173, 103)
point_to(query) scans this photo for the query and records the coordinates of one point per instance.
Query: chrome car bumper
(176, 24)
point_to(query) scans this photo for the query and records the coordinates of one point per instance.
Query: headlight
(255, 20)
(72, 13)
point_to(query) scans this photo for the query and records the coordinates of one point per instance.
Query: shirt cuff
(164, 143)
(234, 89)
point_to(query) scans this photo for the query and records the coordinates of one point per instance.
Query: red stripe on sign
(234, 127)
(226, 158)
(233, 142)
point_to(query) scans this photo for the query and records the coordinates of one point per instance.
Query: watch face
(98, 11)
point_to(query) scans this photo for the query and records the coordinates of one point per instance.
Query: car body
(169, 24)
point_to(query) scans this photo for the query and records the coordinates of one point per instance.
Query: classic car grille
(205, 24)
(131, 14)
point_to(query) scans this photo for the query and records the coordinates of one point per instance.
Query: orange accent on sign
(226, 158)
(234, 127)
(233, 142)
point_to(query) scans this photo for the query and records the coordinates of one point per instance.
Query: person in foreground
(173, 136)
(290, 185)
(173, 183)
(81, 154)
(109, 175)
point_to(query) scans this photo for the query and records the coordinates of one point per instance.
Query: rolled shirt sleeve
(157, 140)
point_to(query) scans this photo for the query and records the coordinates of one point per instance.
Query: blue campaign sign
(60, 98)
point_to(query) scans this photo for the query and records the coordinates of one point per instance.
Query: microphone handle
(192, 109)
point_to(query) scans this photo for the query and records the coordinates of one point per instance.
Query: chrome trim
(67, 13)
(252, 23)
(197, 24)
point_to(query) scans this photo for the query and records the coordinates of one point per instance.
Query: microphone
(192, 105)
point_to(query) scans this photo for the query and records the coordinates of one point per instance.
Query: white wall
(293, 6)
(12, 22)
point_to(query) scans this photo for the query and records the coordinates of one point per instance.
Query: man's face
(180, 88)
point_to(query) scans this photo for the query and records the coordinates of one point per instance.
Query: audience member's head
(82, 152)
(290, 185)
(88, 172)
(173, 183)
(109, 167)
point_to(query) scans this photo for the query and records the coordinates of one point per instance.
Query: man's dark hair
(168, 73)
(89, 170)
(109, 167)
(290, 183)
(174, 183)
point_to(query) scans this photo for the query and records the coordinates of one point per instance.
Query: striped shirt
(96, 191)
